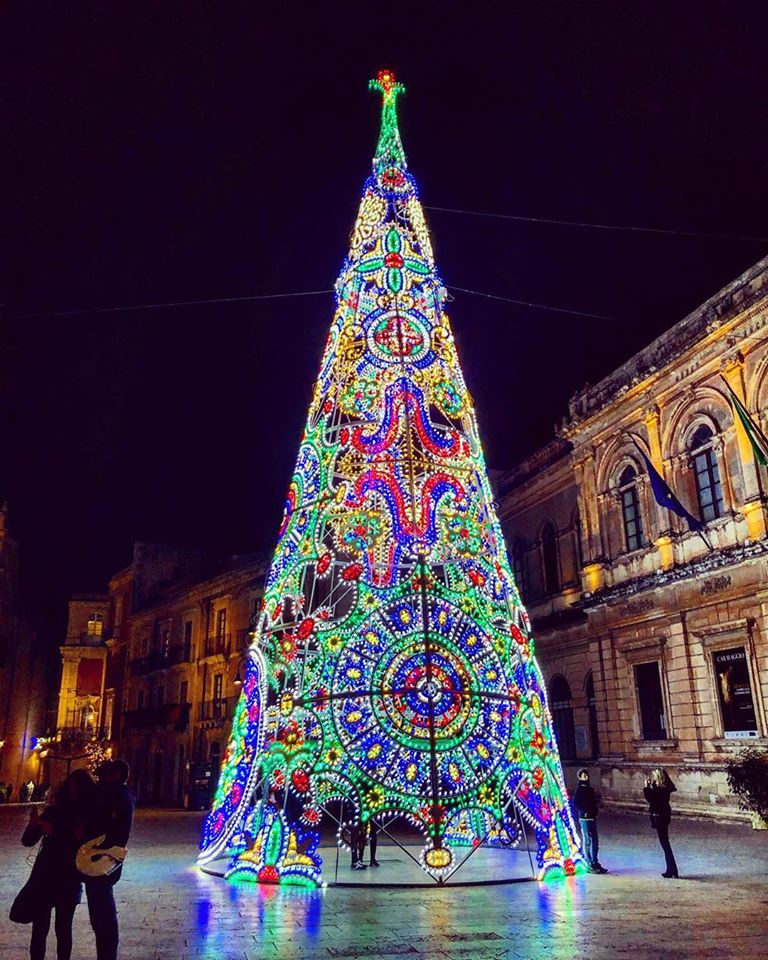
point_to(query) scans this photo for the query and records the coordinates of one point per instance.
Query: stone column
(661, 536)
(593, 572)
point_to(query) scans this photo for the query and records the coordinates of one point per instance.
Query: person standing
(373, 841)
(357, 834)
(54, 877)
(658, 789)
(585, 804)
(115, 805)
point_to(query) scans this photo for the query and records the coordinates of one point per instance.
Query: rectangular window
(708, 485)
(221, 624)
(140, 700)
(95, 625)
(218, 704)
(651, 701)
(734, 692)
(188, 641)
(184, 691)
(633, 527)
(160, 696)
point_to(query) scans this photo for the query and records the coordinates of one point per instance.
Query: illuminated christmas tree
(392, 673)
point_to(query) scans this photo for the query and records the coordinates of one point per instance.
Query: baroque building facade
(653, 637)
(151, 671)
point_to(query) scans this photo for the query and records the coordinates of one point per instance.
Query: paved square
(169, 910)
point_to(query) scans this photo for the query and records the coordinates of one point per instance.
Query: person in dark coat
(54, 876)
(115, 805)
(658, 789)
(585, 804)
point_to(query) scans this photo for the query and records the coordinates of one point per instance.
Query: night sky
(179, 151)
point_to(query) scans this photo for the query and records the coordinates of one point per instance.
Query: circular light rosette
(415, 708)
(395, 338)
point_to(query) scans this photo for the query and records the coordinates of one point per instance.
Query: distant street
(170, 911)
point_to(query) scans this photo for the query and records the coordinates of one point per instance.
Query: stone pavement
(168, 909)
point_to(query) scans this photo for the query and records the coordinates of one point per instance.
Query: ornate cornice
(701, 566)
(743, 300)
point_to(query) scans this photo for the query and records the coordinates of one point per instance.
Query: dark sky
(177, 151)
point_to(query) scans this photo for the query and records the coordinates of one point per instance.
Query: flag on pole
(665, 497)
(756, 436)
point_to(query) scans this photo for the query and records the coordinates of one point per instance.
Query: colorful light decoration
(392, 669)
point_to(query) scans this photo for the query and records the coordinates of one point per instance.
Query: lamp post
(243, 657)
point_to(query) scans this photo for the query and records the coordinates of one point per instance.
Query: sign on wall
(735, 693)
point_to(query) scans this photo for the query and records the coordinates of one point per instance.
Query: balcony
(175, 715)
(218, 710)
(82, 734)
(159, 660)
(219, 645)
(84, 639)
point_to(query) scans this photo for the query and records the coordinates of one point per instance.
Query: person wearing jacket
(56, 882)
(658, 789)
(585, 805)
(114, 818)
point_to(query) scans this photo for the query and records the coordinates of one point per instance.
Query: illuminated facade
(184, 649)
(393, 671)
(23, 675)
(654, 647)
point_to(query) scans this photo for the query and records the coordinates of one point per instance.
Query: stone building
(178, 645)
(83, 664)
(151, 669)
(652, 637)
(23, 674)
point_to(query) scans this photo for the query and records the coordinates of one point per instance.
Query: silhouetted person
(373, 841)
(658, 789)
(62, 827)
(114, 817)
(357, 845)
(585, 804)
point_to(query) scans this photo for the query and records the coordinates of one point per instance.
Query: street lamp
(251, 634)
(238, 681)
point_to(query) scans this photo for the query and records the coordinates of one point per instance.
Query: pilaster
(754, 506)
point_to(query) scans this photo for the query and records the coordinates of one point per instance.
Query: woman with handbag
(658, 789)
(54, 883)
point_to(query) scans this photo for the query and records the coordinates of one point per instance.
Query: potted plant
(748, 780)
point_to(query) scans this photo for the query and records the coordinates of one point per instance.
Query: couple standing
(82, 810)
(657, 791)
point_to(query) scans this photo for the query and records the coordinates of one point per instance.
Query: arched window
(630, 508)
(708, 486)
(562, 717)
(518, 566)
(549, 557)
(594, 736)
